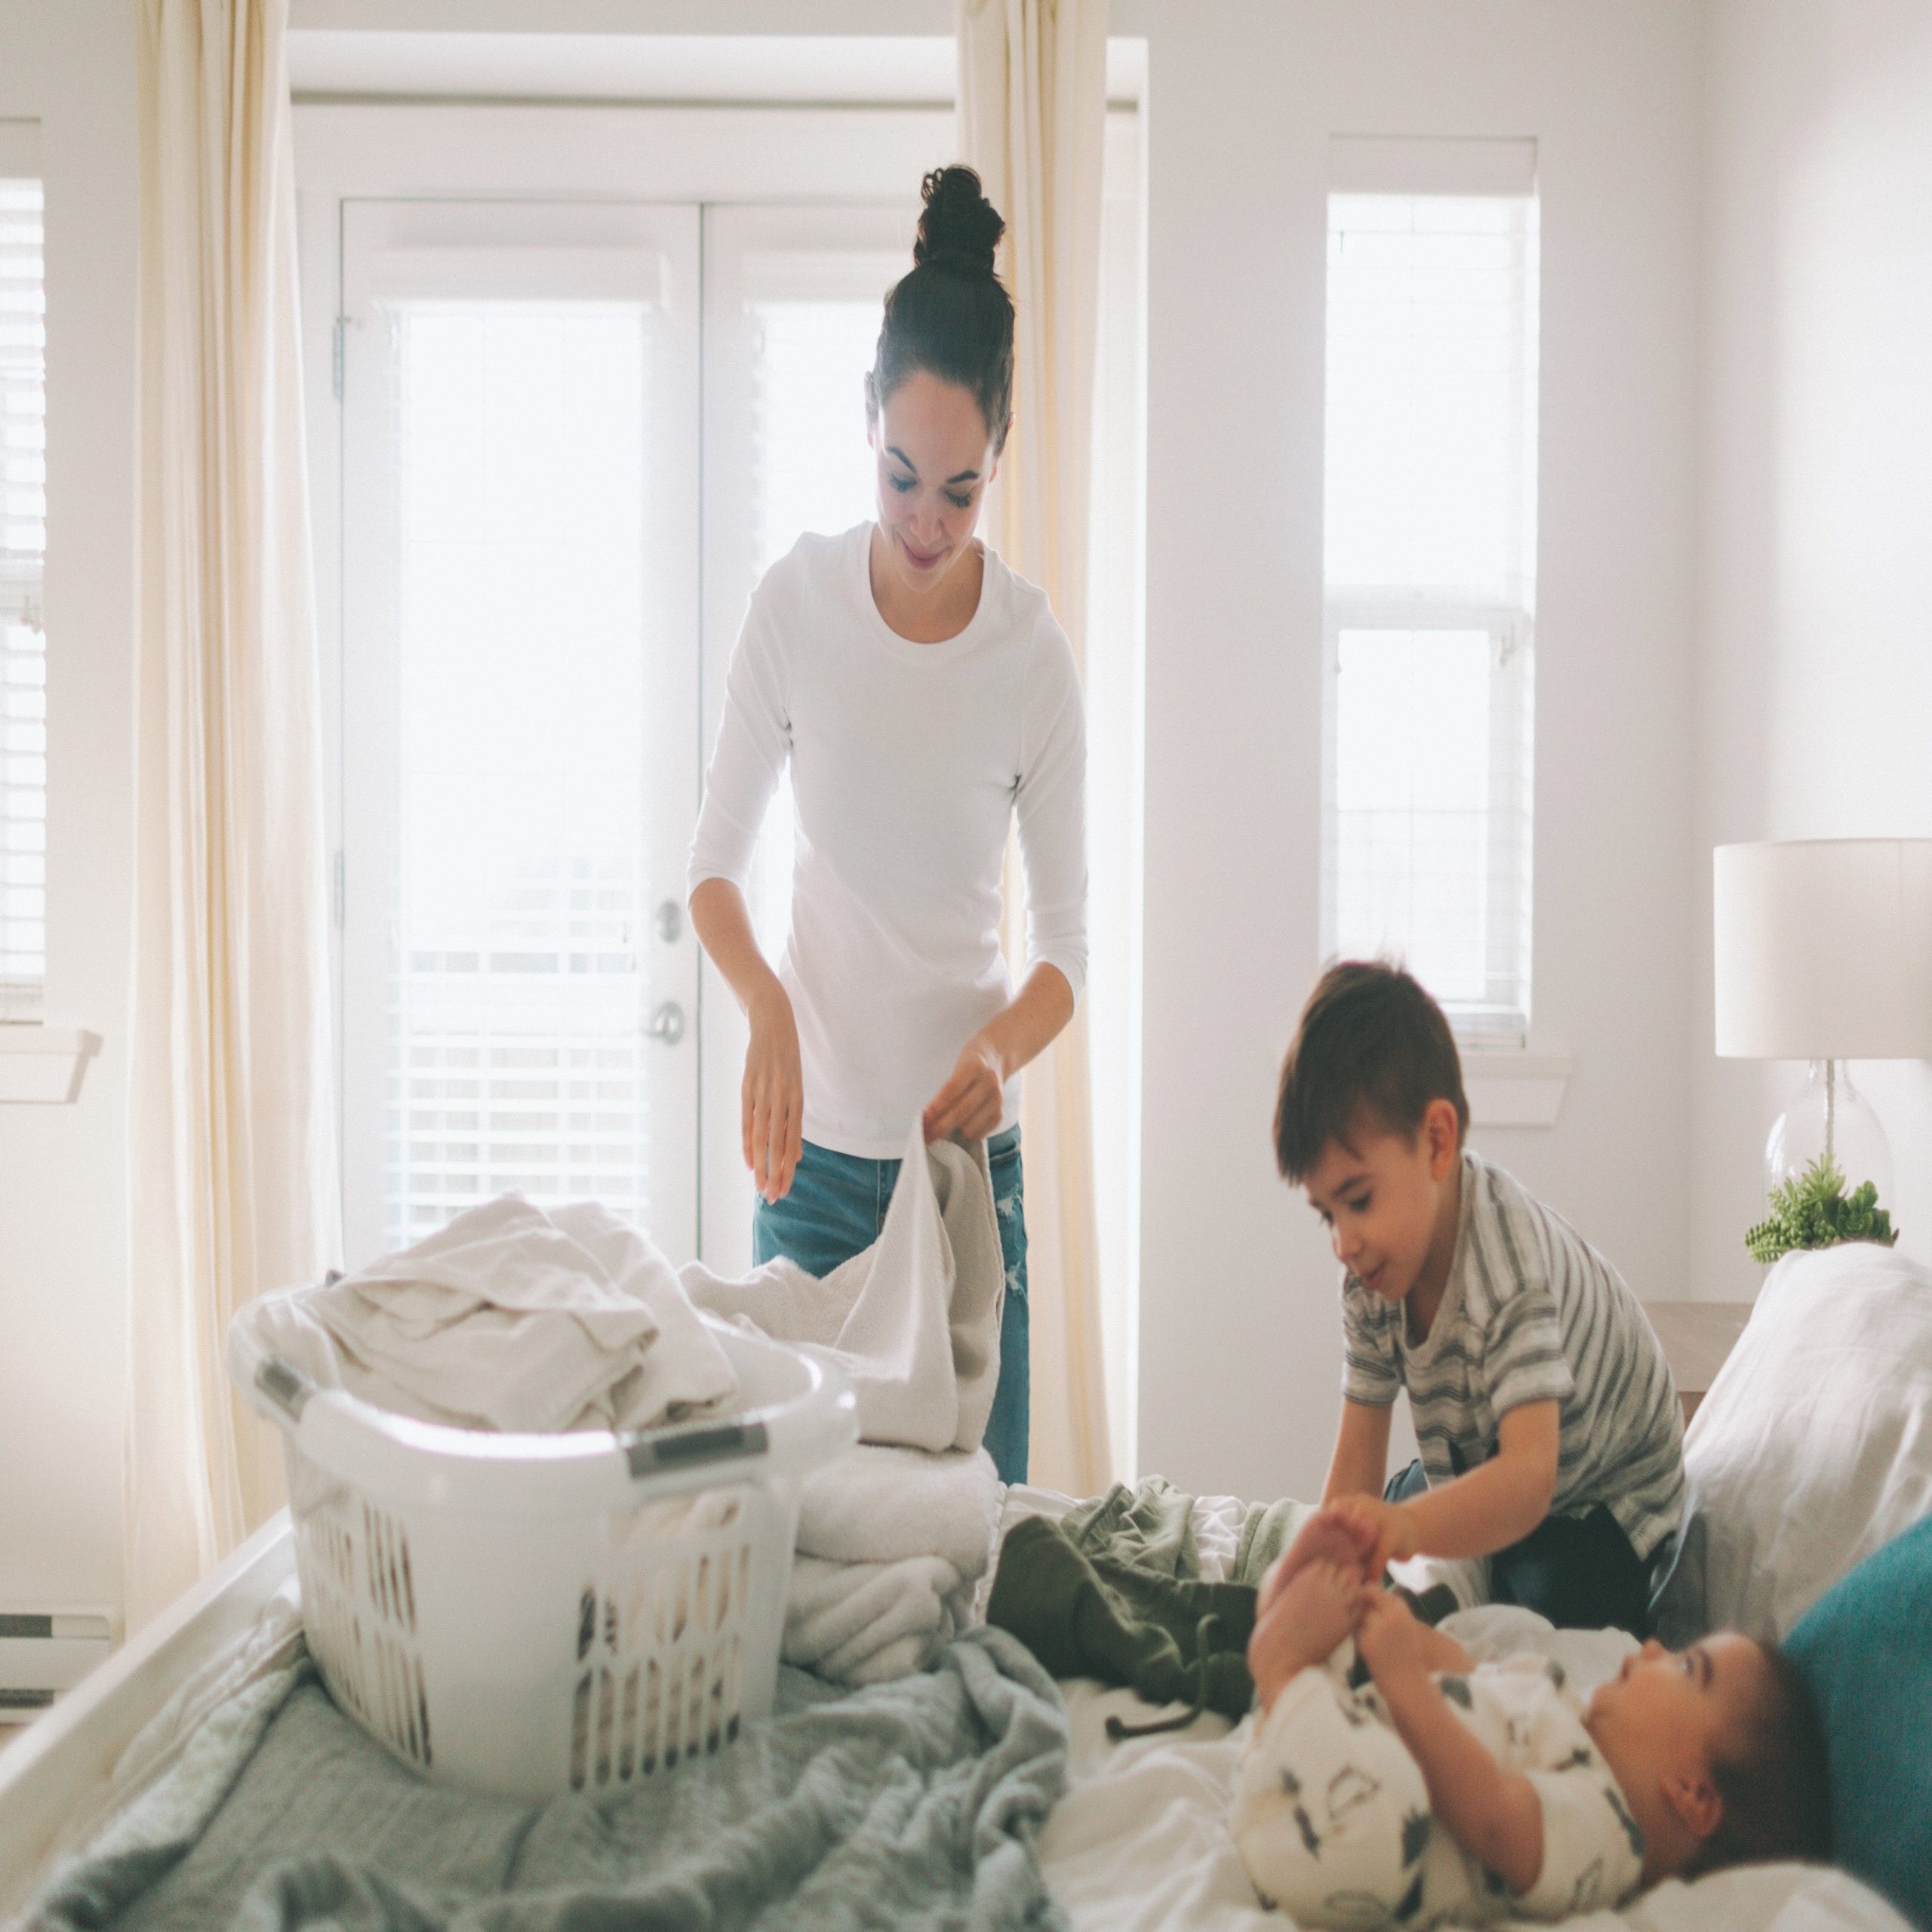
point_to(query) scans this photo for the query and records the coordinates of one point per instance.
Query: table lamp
(1823, 952)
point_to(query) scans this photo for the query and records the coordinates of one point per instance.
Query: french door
(567, 451)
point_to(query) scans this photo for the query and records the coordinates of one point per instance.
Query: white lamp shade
(1823, 949)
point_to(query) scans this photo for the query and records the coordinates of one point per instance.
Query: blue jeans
(836, 1209)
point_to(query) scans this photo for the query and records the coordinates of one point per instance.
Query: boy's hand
(1389, 1529)
(1389, 1638)
(1331, 1535)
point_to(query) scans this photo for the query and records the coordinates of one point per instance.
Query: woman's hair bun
(950, 314)
(960, 228)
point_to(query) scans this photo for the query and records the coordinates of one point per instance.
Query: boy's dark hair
(1369, 1041)
(1772, 1778)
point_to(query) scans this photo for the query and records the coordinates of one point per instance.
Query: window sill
(1514, 1088)
(44, 1064)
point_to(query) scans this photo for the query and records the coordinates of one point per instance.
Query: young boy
(1449, 1789)
(1552, 1441)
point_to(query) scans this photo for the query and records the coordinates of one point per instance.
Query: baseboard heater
(43, 1653)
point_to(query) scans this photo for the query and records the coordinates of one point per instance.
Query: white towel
(508, 1318)
(914, 1321)
(892, 1543)
(875, 1505)
(864, 1622)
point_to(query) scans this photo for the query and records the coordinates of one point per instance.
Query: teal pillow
(1865, 1648)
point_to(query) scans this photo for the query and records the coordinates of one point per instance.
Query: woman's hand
(973, 1097)
(773, 1094)
(773, 1097)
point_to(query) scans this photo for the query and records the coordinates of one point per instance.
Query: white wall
(63, 1226)
(1239, 1361)
(1814, 690)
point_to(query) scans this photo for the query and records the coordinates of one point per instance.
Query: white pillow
(1814, 1447)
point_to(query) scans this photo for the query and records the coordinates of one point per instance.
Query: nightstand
(1696, 1335)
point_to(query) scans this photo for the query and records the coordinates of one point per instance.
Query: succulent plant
(1812, 1210)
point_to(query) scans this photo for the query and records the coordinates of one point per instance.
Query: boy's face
(1388, 1203)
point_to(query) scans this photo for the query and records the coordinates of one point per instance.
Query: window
(22, 547)
(518, 414)
(1429, 568)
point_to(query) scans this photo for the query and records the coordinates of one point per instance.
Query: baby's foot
(1312, 1612)
(1327, 1537)
(1319, 1602)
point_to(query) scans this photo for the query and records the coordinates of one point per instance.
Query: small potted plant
(1812, 1210)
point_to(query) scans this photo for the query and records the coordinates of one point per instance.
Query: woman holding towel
(923, 695)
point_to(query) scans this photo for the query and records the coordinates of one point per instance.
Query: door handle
(665, 1023)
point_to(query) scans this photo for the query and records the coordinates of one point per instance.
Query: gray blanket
(914, 1803)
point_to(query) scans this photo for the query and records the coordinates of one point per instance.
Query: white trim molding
(1515, 1089)
(44, 1064)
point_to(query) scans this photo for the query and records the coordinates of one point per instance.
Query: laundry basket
(533, 1614)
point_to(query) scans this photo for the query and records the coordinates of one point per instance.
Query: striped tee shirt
(1531, 1313)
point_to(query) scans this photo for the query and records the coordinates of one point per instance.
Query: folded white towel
(873, 1504)
(914, 1321)
(864, 1623)
(508, 1318)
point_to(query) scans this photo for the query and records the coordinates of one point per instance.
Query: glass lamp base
(1831, 1117)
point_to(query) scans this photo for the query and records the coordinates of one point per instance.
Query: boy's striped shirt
(1531, 1312)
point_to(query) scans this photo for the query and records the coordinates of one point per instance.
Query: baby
(1447, 1789)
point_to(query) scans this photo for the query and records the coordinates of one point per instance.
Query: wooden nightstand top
(1696, 1335)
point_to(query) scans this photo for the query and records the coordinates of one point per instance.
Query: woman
(923, 694)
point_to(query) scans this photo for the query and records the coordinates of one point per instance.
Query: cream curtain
(1032, 112)
(231, 1133)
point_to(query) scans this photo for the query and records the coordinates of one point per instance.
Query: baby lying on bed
(1446, 1789)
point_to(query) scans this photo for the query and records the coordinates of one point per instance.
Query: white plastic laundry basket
(532, 1614)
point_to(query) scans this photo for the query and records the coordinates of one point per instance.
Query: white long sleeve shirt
(908, 761)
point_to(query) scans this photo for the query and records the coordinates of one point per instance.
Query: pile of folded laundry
(512, 1317)
(891, 1542)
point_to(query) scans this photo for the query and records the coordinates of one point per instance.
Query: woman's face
(935, 459)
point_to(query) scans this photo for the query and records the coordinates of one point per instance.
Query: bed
(1811, 1452)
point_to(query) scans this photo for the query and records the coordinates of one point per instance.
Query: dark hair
(1370, 1042)
(1772, 1778)
(951, 316)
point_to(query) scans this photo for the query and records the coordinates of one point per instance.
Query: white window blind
(23, 641)
(1429, 568)
(517, 1062)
